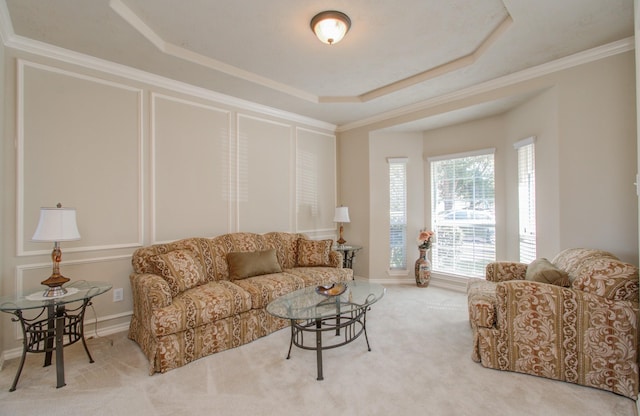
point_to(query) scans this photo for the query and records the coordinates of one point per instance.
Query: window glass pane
(398, 215)
(527, 202)
(463, 214)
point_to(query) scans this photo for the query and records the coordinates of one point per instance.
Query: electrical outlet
(118, 295)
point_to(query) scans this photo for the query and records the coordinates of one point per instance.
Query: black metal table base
(48, 334)
(352, 324)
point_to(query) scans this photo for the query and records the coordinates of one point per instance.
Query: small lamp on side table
(341, 216)
(55, 225)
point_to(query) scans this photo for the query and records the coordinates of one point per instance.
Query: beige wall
(144, 163)
(584, 119)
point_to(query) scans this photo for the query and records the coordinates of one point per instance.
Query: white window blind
(527, 199)
(463, 212)
(397, 213)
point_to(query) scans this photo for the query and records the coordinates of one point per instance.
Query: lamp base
(55, 282)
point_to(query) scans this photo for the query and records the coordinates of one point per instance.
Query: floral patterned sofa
(585, 333)
(198, 296)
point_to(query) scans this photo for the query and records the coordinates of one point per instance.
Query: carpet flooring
(419, 365)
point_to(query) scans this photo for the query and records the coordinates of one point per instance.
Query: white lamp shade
(57, 224)
(342, 214)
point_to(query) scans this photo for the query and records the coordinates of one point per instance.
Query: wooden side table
(53, 321)
(348, 253)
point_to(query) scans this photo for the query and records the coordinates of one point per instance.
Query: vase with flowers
(423, 264)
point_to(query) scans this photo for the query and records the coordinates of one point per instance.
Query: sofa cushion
(181, 269)
(205, 304)
(267, 287)
(252, 263)
(314, 252)
(541, 270)
(608, 277)
(313, 276)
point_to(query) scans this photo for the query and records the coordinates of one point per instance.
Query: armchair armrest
(568, 335)
(500, 271)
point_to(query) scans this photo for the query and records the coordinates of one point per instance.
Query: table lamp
(55, 225)
(341, 216)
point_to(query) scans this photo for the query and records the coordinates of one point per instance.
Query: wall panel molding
(191, 167)
(71, 124)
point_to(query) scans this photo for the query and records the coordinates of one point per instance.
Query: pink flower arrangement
(425, 239)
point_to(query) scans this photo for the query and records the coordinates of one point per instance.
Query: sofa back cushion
(252, 263)
(607, 277)
(569, 259)
(181, 269)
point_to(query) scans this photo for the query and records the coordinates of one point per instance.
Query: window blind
(463, 212)
(397, 213)
(526, 199)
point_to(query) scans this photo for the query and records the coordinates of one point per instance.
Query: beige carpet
(419, 365)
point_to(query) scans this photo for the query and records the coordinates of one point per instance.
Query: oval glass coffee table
(312, 312)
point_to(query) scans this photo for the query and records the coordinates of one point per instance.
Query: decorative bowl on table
(334, 289)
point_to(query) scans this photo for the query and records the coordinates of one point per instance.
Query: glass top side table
(348, 253)
(47, 330)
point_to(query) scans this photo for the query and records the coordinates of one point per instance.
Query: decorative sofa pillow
(252, 263)
(181, 269)
(541, 270)
(314, 252)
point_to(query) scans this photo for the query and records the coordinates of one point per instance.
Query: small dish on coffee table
(334, 289)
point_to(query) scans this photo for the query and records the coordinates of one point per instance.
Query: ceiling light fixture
(330, 26)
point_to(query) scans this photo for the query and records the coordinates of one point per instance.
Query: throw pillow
(181, 269)
(542, 270)
(252, 263)
(314, 252)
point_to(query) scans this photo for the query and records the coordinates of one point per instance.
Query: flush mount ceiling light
(330, 26)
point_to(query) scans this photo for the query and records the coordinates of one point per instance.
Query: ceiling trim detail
(176, 51)
(580, 58)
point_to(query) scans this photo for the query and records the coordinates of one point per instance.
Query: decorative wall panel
(79, 141)
(191, 169)
(265, 175)
(316, 181)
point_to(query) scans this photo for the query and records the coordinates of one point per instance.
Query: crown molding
(580, 58)
(13, 41)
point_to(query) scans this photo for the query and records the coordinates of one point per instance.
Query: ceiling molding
(185, 54)
(580, 58)
(179, 52)
(90, 62)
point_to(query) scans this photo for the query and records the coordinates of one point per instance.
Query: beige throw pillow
(181, 269)
(314, 252)
(542, 270)
(252, 263)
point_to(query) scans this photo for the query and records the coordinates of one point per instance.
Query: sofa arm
(335, 259)
(500, 271)
(149, 292)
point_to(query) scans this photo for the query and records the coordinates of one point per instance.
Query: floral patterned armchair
(586, 333)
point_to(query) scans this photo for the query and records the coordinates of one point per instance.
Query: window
(463, 212)
(397, 213)
(527, 198)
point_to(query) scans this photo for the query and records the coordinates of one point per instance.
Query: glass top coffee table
(320, 310)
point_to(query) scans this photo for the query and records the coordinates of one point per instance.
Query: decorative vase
(423, 269)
